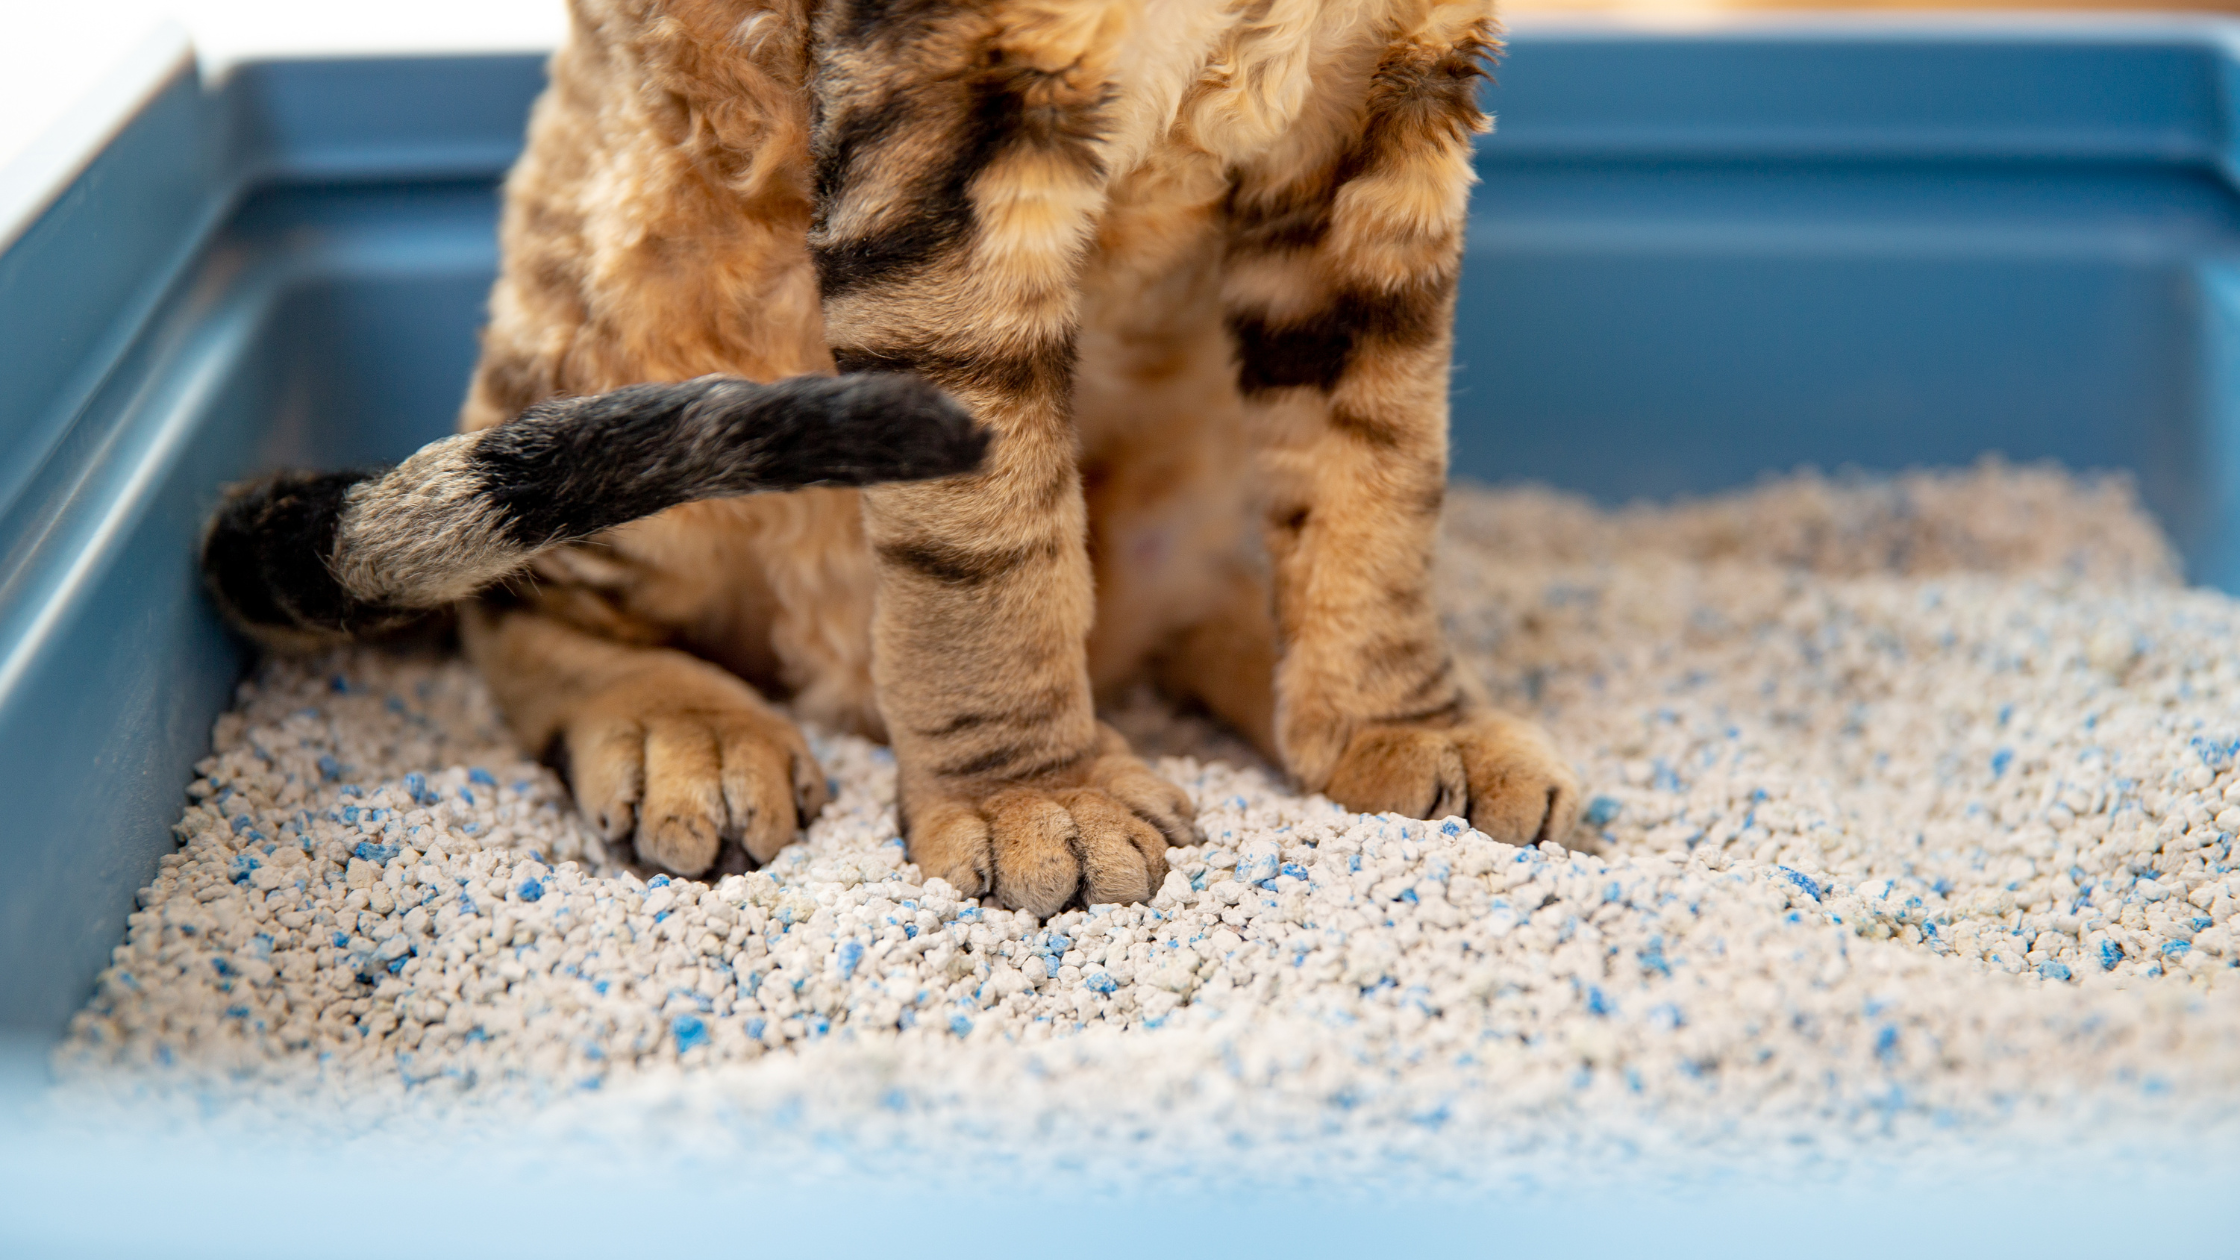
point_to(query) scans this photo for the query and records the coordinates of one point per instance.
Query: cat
(1184, 274)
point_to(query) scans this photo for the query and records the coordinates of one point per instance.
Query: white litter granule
(1915, 800)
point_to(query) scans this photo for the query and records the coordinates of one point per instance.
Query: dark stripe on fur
(1412, 103)
(1369, 430)
(1311, 355)
(1314, 352)
(1046, 372)
(1002, 106)
(962, 566)
(1011, 761)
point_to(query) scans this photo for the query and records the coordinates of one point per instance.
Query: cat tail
(298, 559)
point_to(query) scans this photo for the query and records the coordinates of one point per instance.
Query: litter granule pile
(1915, 802)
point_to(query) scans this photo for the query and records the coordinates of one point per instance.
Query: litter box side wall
(1849, 243)
(192, 337)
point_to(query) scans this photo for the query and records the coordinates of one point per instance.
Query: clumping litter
(1911, 804)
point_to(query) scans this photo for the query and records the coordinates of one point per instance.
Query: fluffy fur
(1192, 262)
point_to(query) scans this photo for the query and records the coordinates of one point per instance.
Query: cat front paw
(1093, 834)
(684, 767)
(1502, 773)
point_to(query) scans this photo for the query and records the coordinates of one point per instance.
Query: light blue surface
(1693, 259)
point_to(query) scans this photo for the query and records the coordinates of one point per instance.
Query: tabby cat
(1183, 272)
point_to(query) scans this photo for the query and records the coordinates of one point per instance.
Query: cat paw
(1499, 772)
(683, 767)
(1095, 835)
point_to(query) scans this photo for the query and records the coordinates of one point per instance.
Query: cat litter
(1909, 829)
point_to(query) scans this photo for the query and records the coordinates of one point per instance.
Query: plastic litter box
(1693, 258)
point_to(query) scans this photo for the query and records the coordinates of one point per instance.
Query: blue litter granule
(755, 1027)
(1663, 779)
(378, 854)
(959, 1025)
(658, 881)
(1801, 880)
(242, 822)
(850, 957)
(1408, 895)
(2000, 760)
(1886, 1043)
(1099, 982)
(532, 889)
(223, 967)
(1450, 828)
(329, 768)
(1602, 811)
(689, 1032)
(1296, 871)
(339, 685)
(2110, 954)
(2054, 970)
(1615, 892)
(2216, 754)
(1596, 1003)
(242, 865)
(2176, 949)
(466, 796)
(482, 776)
(1652, 957)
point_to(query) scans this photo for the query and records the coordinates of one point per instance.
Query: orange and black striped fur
(1191, 263)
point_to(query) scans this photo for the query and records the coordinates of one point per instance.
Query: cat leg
(1339, 286)
(665, 750)
(960, 170)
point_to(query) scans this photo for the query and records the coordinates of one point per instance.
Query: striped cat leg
(1339, 287)
(960, 170)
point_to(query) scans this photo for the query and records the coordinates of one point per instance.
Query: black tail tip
(264, 560)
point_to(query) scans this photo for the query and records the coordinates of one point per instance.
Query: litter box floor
(1912, 804)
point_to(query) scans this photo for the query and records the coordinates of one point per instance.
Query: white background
(56, 54)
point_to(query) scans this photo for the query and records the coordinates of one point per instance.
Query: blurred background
(52, 54)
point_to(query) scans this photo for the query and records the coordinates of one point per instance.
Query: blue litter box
(1693, 258)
